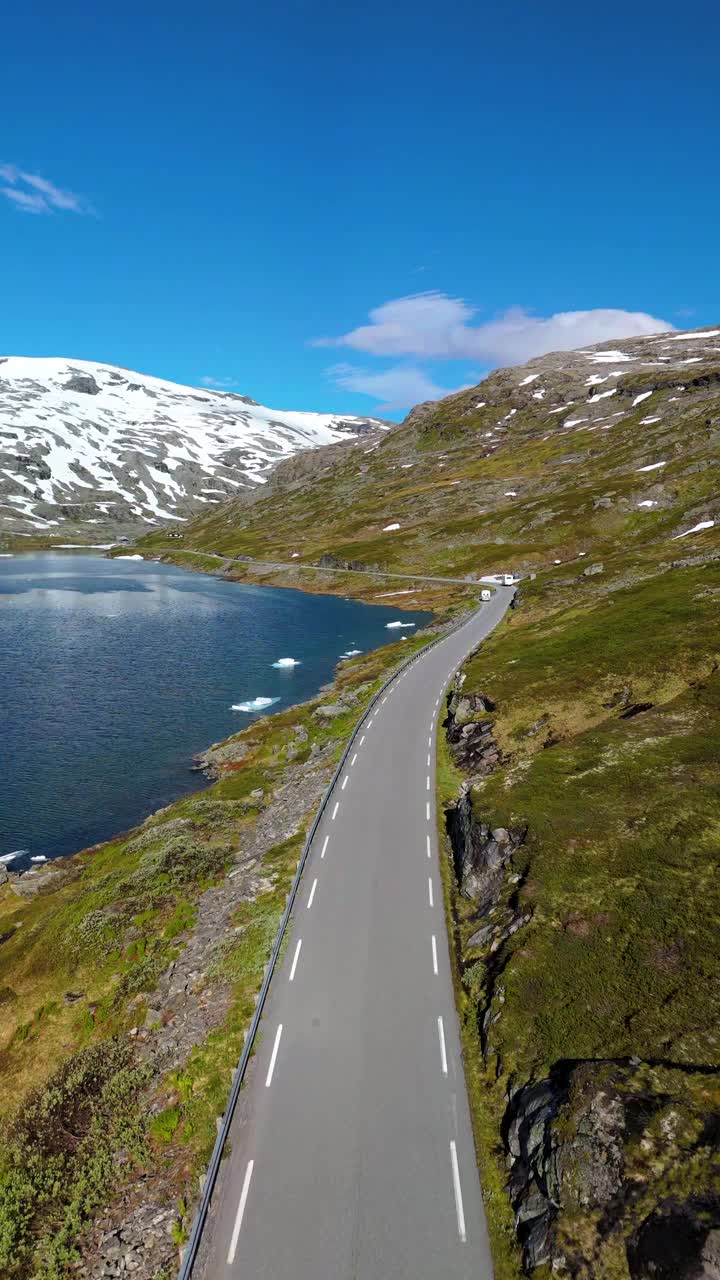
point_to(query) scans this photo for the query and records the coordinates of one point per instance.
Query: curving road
(351, 1149)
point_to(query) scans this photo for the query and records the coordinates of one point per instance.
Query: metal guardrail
(190, 1253)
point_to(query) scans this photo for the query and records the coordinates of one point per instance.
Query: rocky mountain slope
(579, 778)
(90, 449)
(542, 462)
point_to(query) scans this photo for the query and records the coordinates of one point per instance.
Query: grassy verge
(484, 1113)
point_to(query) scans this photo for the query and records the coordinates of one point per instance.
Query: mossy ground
(619, 961)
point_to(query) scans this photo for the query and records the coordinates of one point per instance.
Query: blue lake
(115, 673)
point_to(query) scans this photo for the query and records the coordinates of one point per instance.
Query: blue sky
(230, 183)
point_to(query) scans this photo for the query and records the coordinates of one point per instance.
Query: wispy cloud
(34, 194)
(435, 326)
(219, 384)
(398, 387)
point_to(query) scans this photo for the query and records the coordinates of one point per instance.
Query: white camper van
(509, 579)
(485, 594)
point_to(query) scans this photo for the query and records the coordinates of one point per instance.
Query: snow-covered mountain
(96, 449)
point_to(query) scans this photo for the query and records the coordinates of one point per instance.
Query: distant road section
(322, 568)
(352, 1150)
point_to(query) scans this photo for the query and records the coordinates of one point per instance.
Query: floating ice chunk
(39, 857)
(389, 528)
(351, 653)
(16, 853)
(639, 399)
(287, 662)
(392, 625)
(652, 466)
(255, 704)
(704, 524)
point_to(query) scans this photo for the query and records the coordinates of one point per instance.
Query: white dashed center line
(325, 845)
(273, 1059)
(428, 845)
(334, 812)
(434, 955)
(430, 891)
(344, 782)
(240, 1213)
(353, 760)
(428, 760)
(362, 739)
(427, 811)
(296, 957)
(458, 1192)
(369, 723)
(427, 783)
(312, 893)
(443, 1054)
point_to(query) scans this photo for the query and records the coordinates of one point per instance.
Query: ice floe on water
(286, 662)
(255, 704)
(17, 853)
(350, 653)
(392, 625)
(39, 857)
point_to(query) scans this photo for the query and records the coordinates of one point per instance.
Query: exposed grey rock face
(94, 450)
(471, 740)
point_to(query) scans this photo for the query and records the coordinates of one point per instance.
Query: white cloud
(219, 384)
(434, 326)
(399, 387)
(34, 194)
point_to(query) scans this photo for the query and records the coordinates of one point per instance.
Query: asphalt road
(351, 1149)
(321, 568)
